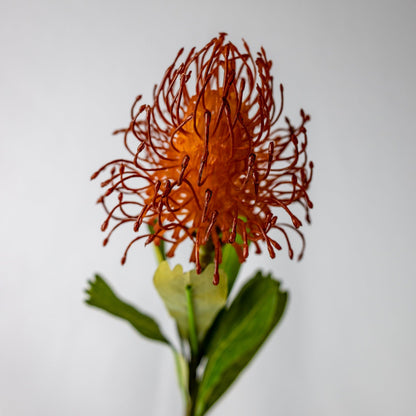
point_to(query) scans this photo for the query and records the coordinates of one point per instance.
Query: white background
(69, 73)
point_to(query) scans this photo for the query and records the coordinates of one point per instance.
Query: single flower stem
(193, 363)
(192, 388)
(193, 339)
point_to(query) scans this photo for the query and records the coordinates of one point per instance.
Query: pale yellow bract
(208, 299)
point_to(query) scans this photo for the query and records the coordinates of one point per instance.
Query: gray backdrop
(68, 75)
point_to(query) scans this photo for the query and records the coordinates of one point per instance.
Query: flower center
(217, 144)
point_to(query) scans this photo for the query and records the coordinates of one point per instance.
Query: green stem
(193, 363)
(193, 338)
(193, 389)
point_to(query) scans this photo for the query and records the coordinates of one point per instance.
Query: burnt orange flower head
(207, 160)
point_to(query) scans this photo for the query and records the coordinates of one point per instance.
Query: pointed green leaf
(207, 298)
(102, 296)
(230, 261)
(240, 331)
(182, 371)
(159, 248)
(230, 264)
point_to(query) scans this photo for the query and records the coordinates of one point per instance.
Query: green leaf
(207, 298)
(239, 333)
(230, 261)
(160, 248)
(102, 296)
(182, 371)
(230, 264)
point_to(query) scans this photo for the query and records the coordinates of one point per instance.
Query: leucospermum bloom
(207, 159)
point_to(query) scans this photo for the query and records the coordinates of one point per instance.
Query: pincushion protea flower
(208, 160)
